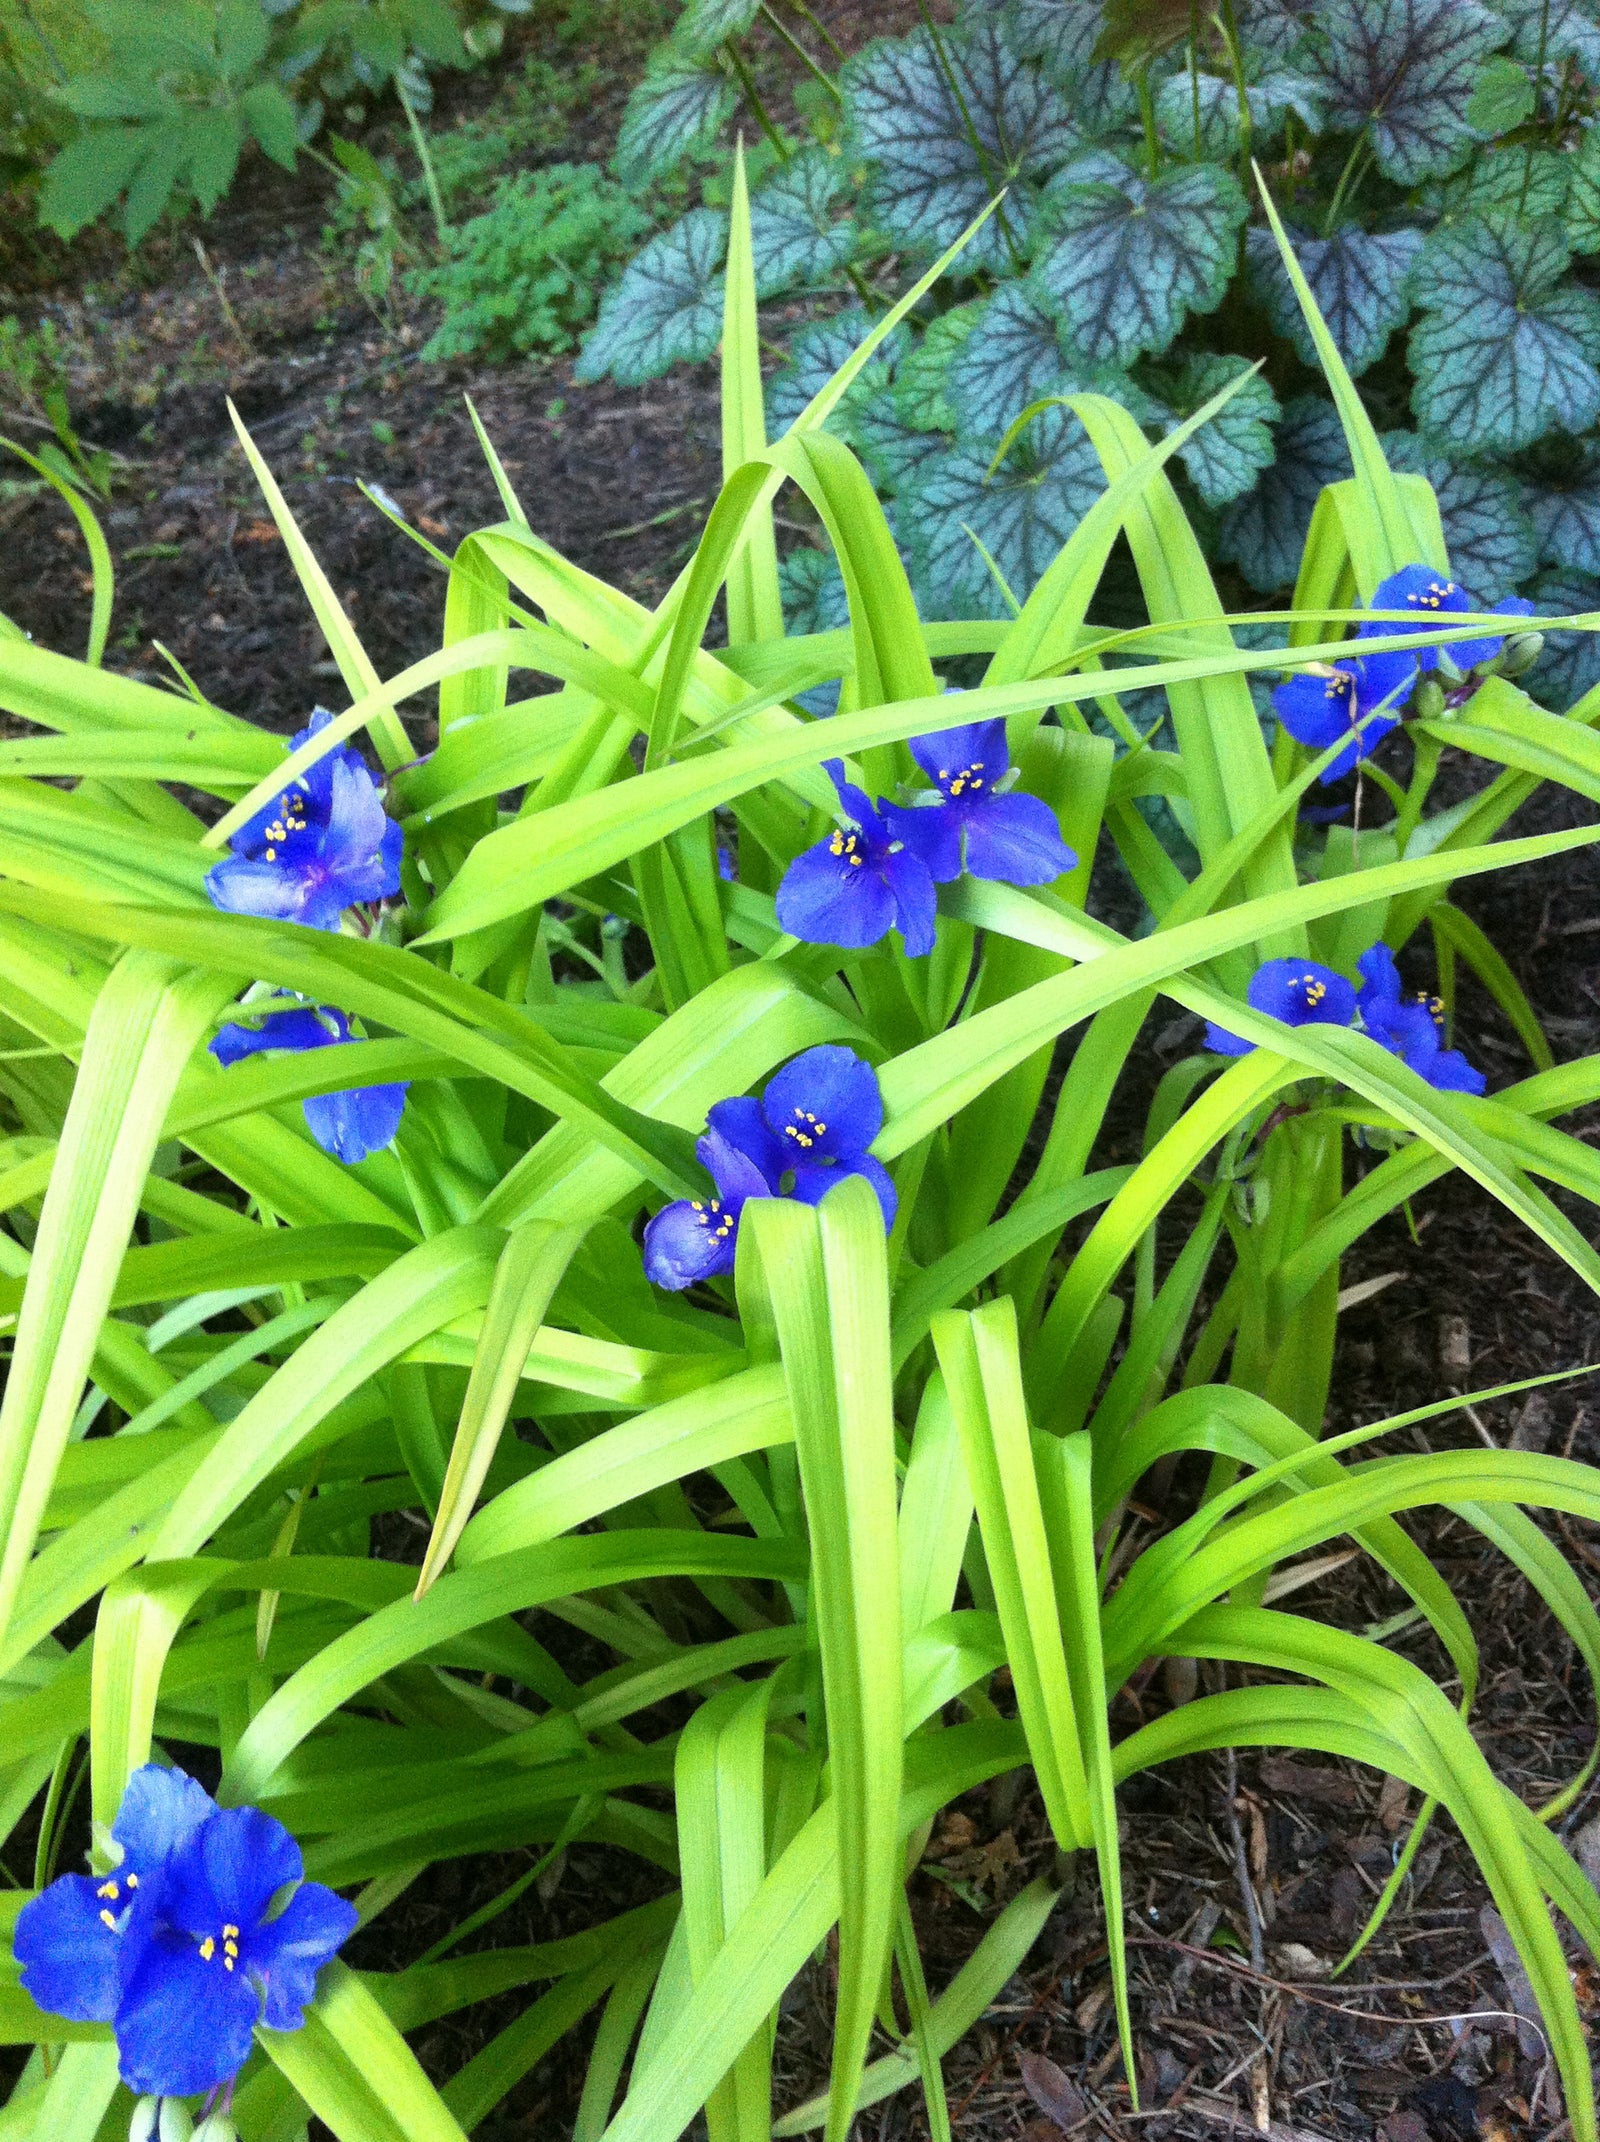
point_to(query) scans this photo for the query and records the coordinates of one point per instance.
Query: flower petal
(825, 899)
(975, 744)
(184, 2024)
(855, 802)
(297, 1029)
(240, 887)
(741, 1123)
(1302, 992)
(161, 1811)
(814, 1180)
(1016, 840)
(916, 902)
(735, 1174)
(230, 1871)
(71, 1960)
(1221, 1043)
(1316, 709)
(1468, 654)
(688, 1241)
(829, 1094)
(932, 831)
(286, 1953)
(357, 1122)
(1380, 979)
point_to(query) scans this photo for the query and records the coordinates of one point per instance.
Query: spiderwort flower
(175, 1947)
(1411, 1027)
(812, 1126)
(348, 1125)
(326, 844)
(972, 822)
(1300, 992)
(859, 883)
(1326, 701)
(1434, 596)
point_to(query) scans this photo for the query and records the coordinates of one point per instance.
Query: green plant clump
(331, 1119)
(525, 275)
(1438, 166)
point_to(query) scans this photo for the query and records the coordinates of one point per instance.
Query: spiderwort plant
(202, 1929)
(324, 845)
(1306, 993)
(814, 1125)
(1435, 597)
(349, 1125)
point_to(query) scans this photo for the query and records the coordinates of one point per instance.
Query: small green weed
(525, 275)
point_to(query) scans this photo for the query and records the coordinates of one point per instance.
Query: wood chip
(1053, 2091)
(1306, 1781)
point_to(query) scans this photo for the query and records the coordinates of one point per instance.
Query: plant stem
(1147, 112)
(763, 117)
(821, 28)
(1229, 24)
(1345, 185)
(1424, 765)
(801, 54)
(1194, 71)
(430, 178)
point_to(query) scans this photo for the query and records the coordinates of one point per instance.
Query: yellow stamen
(107, 1919)
(208, 1948)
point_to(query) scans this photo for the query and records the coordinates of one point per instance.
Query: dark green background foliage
(1436, 161)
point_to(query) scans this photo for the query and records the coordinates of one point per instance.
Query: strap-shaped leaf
(1407, 69)
(1129, 259)
(1505, 351)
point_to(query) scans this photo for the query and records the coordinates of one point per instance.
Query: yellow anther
(230, 1933)
(107, 1889)
(227, 1963)
(208, 1948)
(133, 1881)
(108, 1920)
(272, 855)
(856, 861)
(821, 1127)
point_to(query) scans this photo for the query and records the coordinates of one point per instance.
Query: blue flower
(1435, 596)
(1320, 705)
(859, 883)
(175, 1947)
(326, 844)
(972, 823)
(1300, 992)
(348, 1125)
(812, 1126)
(1411, 1027)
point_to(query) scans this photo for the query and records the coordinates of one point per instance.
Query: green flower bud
(1521, 651)
(1428, 703)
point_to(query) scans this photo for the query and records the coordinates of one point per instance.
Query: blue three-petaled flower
(1302, 992)
(810, 1128)
(179, 1946)
(878, 869)
(349, 1125)
(326, 844)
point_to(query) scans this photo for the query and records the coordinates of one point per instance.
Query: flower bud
(217, 2128)
(1521, 651)
(1428, 702)
(176, 2122)
(142, 2127)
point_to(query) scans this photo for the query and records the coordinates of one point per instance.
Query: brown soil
(619, 482)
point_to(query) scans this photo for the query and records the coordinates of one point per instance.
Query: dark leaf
(1052, 2090)
(1273, 31)
(1138, 31)
(1566, 515)
(1225, 457)
(1021, 517)
(705, 24)
(1557, 29)
(667, 308)
(1358, 278)
(1490, 538)
(1014, 355)
(893, 450)
(1265, 532)
(1407, 68)
(794, 233)
(1570, 664)
(1131, 258)
(1062, 35)
(678, 107)
(941, 149)
(815, 355)
(1505, 351)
